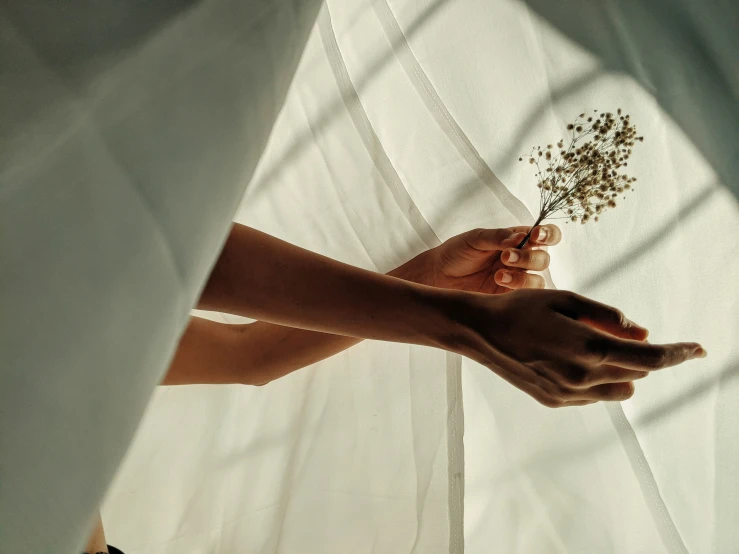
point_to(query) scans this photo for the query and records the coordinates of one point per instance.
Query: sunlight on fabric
(400, 129)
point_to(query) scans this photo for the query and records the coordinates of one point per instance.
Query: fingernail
(506, 278)
(700, 353)
(542, 234)
(512, 256)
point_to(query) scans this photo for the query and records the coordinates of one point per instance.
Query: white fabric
(401, 128)
(128, 133)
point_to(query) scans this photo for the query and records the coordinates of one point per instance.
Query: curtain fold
(402, 128)
(368, 131)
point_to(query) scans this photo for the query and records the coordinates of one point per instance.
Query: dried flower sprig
(583, 180)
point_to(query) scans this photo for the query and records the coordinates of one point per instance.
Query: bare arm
(261, 352)
(589, 351)
(264, 278)
(251, 354)
(257, 353)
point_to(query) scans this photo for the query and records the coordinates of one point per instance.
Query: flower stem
(526, 238)
(542, 215)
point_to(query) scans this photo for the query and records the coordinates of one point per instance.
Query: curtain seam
(446, 122)
(455, 415)
(464, 146)
(656, 504)
(455, 452)
(370, 139)
(436, 106)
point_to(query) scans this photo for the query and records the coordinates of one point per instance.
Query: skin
(559, 347)
(260, 352)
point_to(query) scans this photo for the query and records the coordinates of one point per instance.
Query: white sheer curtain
(128, 134)
(401, 128)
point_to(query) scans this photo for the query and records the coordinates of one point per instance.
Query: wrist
(446, 323)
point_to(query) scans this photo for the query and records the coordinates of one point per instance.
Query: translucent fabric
(128, 135)
(401, 128)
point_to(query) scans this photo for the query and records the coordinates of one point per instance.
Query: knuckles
(597, 350)
(619, 318)
(577, 377)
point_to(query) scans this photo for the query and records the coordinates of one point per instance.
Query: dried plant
(583, 180)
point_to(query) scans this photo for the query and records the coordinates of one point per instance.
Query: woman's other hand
(485, 260)
(559, 347)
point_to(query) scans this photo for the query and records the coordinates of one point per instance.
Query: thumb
(493, 239)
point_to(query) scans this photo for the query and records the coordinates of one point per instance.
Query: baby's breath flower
(583, 180)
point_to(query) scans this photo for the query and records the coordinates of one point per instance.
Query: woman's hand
(473, 262)
(559, 347)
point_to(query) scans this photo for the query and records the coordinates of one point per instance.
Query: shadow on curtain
(683, 53)
(549, 460)
(330, 112)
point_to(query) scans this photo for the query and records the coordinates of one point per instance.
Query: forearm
(253, 354)
(264, 278)
(257, 353)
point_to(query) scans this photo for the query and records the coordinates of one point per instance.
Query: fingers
(510, 237)
(577, 386)
(580, 377)
(612, 392)
(589, 346)
(552, 234)
(578, 383)
(517, 279)
(601, 316)
(546, 235)
(492, 239)
(607, 392)
(578, 403)
(644, 356)
(614, 374)
(532, 260)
